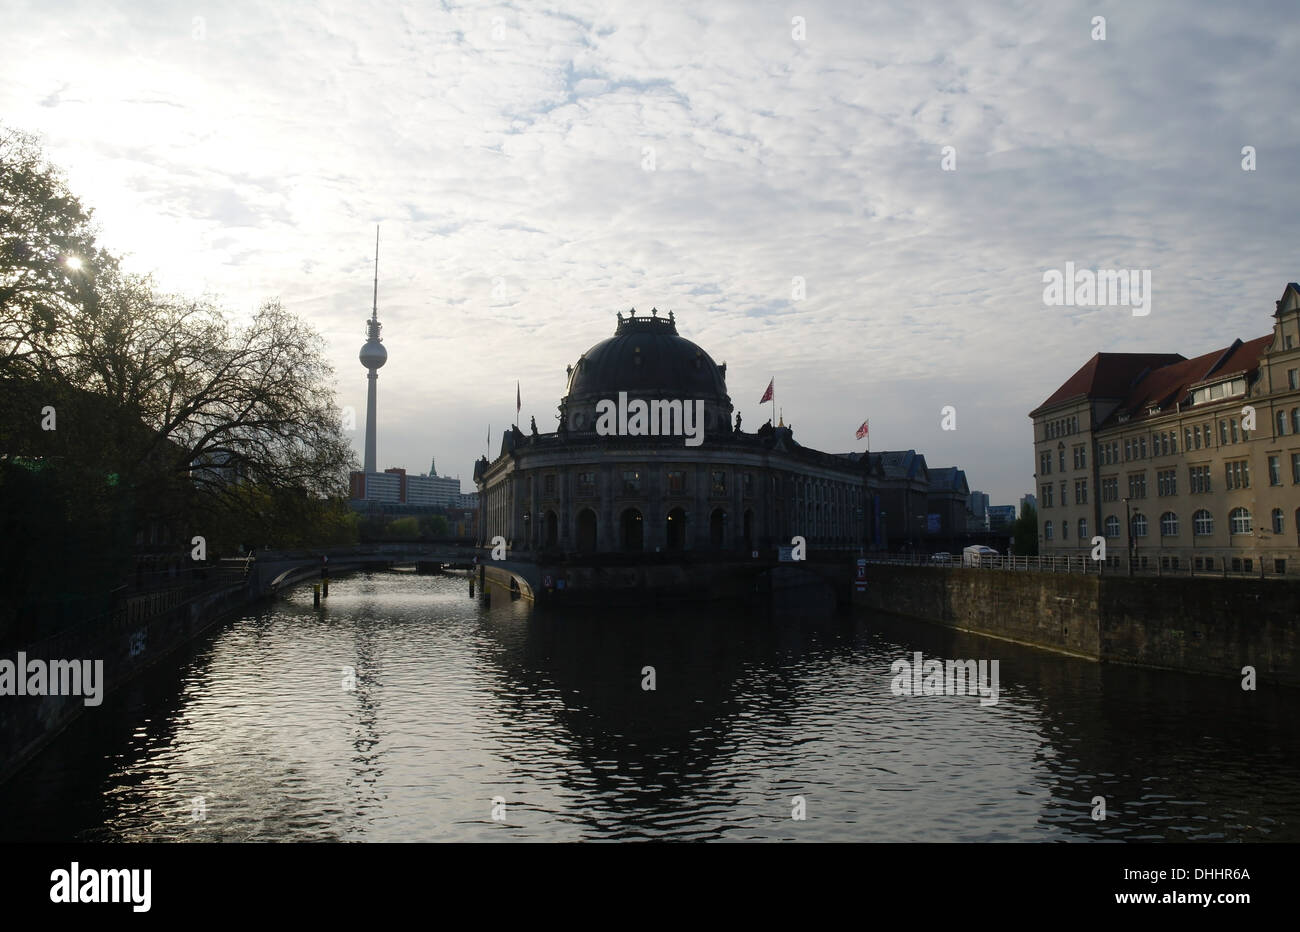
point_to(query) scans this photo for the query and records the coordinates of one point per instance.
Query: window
(1205, 432)
(1238, 474)
(1169, 524)
(1062, 459)
(1293, 378)
(1199, 478)
(749, 485)
(548, 484)
(1233, 423)
(718, 482)
(1239, 519)
(1295, 420)
(1065, 530)
(1202, 523)
(1167, 482)
(1143, 441)
(631, 481)
(1128, 449)
(1187, 439)
(676, 481)
(1281, 423)
(1295, 468)
(1045, 464)
(1139, 525)
(1112, 526)
(1045, 493)
(1047, 530)
(1274, 470)
(1279, 522)
(1110, 489)
(1223, 433)
(1063, 498)
(586, 483)
(1081, 491)
(1137, 485)
(1083, 529)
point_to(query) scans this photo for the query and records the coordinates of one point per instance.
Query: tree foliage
(168, 410)
(1025, 532)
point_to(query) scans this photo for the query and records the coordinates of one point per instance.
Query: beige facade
(1189, 464)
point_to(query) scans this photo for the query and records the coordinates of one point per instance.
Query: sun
(74, 263)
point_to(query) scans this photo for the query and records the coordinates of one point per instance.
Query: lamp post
(1128, 535)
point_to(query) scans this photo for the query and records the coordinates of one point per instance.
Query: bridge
(270, 571)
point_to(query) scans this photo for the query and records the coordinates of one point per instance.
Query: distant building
(1181, 462)
(395, 486)
(977, 520)
(1028, 501)
(1001, 517)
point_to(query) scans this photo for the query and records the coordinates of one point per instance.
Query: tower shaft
(373, 379)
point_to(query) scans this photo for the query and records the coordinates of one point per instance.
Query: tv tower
(373, 355)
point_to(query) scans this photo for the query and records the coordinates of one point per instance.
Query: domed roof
(645, 356)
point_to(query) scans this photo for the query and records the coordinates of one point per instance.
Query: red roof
(1142, 380)
(1108, 375)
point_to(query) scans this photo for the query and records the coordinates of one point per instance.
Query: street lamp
(1128, 535)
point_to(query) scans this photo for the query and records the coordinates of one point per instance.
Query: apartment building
(1185, 464)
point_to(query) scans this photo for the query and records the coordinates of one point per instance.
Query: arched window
(1281, 423)
(1112, 526)
(1083, 529)
(1139, 525)
(1047, 530)
(1279, 521)
(1202, 523)
(1169, 524)
(1239, 521)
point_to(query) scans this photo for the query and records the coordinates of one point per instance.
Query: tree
(50, 263)
(1025, 531)
(168, 412)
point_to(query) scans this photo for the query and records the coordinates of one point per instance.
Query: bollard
(325, 588)
(471, 588)
(487, 598)
(315, 595)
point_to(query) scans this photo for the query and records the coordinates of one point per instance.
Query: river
(468, 723)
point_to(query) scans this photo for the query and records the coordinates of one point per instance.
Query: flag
(767, 395)
(488, 445)
(518, 403)
(862, 431)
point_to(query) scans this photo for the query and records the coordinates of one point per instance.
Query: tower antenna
(374, 313)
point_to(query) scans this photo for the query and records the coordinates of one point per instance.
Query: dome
(373, 355)
(646, 357)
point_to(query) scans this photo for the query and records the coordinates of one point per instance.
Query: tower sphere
(373, 355)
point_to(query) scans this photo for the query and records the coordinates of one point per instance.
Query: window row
(1062, 427)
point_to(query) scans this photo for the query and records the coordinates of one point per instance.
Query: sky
(536, 168)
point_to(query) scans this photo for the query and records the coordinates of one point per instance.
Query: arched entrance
(552, 530)
(632, 532)
(717, 528)
(587, 531)
(676, 529)
(749, 530)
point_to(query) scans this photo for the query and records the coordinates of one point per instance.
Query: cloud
(512, 143)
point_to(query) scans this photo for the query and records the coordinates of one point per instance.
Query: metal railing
(1222, 567)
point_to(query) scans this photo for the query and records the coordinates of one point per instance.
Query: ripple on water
(457, 708)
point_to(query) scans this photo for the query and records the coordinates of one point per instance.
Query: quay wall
(1206, 625)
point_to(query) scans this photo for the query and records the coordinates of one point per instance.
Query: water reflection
(455, 704)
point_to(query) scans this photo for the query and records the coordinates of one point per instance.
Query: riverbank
(1201, 625)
